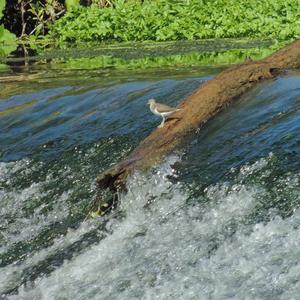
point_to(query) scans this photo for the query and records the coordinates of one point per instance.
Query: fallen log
(196, 109)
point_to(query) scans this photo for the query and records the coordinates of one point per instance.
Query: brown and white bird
(161, 110)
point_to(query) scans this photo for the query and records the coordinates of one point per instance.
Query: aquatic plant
(176, 20)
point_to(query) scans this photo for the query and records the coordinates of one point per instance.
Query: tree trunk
(196, 109)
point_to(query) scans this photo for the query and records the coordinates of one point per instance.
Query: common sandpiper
(161, 110)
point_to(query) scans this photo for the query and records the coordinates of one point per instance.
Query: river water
(218, 219)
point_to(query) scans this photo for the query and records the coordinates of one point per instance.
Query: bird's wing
(164, 108)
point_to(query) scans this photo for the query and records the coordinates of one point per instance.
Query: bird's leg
(162, 123)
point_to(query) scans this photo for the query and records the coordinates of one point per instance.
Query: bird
(161, 110)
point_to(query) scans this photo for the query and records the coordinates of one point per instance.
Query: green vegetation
(42, 13)
(110, 21)
(71, 3)
(163, 20)
(7, 39)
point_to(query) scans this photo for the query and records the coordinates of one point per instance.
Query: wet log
(196, 109)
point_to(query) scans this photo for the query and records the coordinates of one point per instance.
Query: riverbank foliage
(164, 20)
(7, 39)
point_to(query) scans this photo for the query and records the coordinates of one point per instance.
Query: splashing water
(169, 249)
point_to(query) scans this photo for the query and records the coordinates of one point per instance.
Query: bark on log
(196, 109)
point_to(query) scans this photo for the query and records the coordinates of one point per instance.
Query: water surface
(219, 219)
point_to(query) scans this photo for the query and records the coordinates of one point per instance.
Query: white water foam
(165, 248)
(14, 200)
(26, 227)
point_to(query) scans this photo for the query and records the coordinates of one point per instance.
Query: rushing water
(219, 219)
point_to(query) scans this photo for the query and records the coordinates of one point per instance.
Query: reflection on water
(81, 112)
(218, 220)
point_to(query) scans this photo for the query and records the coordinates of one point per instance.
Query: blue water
(219, 219)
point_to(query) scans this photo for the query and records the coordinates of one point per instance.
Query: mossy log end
(196, 109)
